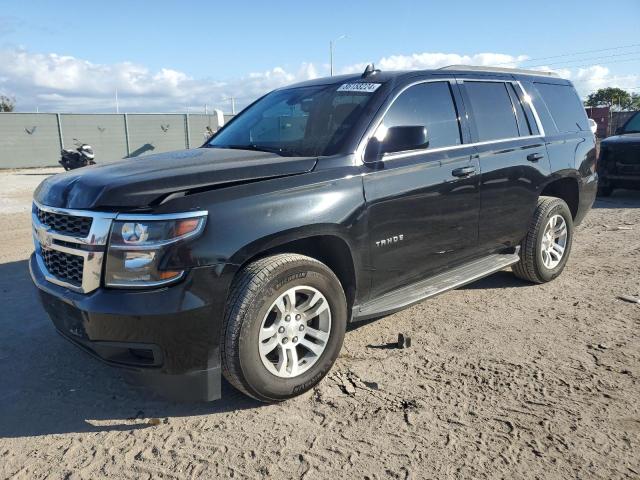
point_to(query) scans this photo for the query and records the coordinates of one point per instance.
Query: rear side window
(430, 105)
(565, 107)
(492, 109)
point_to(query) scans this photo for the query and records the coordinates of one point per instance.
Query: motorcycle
(80, 157)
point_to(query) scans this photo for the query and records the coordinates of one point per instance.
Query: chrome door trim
(411, 153)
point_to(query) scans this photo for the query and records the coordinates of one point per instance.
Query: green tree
(613, 97)
(7, 104)
(635, 101)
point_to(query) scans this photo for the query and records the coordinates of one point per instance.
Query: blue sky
(170, 55)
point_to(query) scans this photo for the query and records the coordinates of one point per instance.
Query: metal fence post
(126, 135)
(186, 125)
(60, 131)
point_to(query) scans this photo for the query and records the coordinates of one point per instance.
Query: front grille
(65, 224)
(71, 245)
(64, 266)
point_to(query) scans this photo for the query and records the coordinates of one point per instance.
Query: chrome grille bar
(45, 238)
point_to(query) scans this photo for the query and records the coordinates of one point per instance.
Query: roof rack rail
(477, 68)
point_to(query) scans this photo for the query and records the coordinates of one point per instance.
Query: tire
(538, 266)
(257, 304)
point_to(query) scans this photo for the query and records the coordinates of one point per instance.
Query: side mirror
(396, 139)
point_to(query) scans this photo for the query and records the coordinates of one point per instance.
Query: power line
(584, 59)
(607, 63)
(584, 52)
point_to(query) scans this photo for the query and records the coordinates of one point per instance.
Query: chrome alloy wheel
(554, 241)
(295, 331)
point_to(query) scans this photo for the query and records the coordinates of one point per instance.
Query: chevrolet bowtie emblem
(44, 238)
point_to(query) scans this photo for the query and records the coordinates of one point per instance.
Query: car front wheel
(284, 326)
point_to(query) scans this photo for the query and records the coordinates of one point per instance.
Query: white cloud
(55, 82)
(427, 60)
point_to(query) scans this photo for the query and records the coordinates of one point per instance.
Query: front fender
(246, 220)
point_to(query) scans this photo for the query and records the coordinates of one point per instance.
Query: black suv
(619, 162)
(328, 202)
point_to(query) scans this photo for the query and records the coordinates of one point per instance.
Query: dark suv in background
(328, 202)
(619, 162)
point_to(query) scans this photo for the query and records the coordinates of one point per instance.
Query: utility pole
(117, 105)
(232, 98)
(331, 42)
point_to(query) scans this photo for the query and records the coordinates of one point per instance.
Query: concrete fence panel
(35, 139)
(105, 133)
(154, 133)
(29, 140)
(198, 124)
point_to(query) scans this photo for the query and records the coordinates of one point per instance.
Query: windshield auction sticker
(359, 87)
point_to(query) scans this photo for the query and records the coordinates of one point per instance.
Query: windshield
(633, 125)
(305, 121)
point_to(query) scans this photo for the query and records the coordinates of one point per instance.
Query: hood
(627, 138)
(136, 182)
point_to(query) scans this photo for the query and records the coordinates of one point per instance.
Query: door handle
(534, 157)
(463, 171)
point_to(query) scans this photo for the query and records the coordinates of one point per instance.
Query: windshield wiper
(258, 148)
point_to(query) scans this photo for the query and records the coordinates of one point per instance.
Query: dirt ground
(503, 380)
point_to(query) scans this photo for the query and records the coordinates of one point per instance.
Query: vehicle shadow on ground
(501, 279)
(50, 387)
(619, 199)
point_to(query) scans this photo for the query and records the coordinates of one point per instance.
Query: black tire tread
(245, 287)
(526, 267)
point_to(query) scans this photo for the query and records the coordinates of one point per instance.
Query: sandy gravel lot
(504, 380)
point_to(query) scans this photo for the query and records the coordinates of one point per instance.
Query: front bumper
(632, 182)
(166, 338)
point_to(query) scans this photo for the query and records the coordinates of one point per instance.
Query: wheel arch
(565, 188)
(326, 245)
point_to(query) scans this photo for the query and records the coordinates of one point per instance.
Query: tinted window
(492, 109)
(565, 107)
(633, 124)
(305, 121)
(429, 105)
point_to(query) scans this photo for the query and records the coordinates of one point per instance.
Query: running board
(456, 277)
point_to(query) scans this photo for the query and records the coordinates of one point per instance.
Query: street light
(331, 42)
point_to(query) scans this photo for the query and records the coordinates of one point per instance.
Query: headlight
(138, 243)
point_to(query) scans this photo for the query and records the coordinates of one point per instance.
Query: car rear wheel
(283, 328)
(545, 250)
